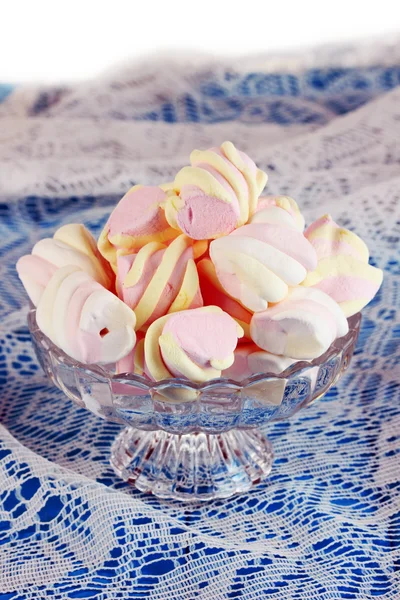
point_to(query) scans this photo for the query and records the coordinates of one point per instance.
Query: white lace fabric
(326, 523)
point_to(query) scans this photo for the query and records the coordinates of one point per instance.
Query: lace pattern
(326, 523)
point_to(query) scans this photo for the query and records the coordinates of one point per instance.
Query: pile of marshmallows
(184, 272)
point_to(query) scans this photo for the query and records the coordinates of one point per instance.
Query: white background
(57, 40)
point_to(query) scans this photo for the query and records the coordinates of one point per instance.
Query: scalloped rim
(129, 378)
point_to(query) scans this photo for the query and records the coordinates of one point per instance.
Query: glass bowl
(192, 441)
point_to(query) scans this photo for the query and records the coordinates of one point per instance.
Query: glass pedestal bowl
(187, 441)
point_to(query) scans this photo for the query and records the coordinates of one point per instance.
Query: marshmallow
(194, 344)
(302, 326)
(159, 280)
(84, 319)
(133, 362)
(343, 271)
(250, 360)
(71, 245)
(281, 210)
(77, 236)
(34, 273)
(214, 294)
(137, 220)
(214, 195)
(258, 262)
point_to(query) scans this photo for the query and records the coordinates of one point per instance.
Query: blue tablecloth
(326, 524)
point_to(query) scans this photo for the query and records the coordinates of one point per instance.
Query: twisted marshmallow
(302, 326)
(258, 262)
(216, 194)
(159, 280)
(250, 360)
(214, 294)
(343, 271)
(137, 220)
(84, 319)
(195, 344)
(269, 210)
(71, 245)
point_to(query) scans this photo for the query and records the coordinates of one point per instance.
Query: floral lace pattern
(326, 523)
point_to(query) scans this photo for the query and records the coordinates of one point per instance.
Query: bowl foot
(192, 467)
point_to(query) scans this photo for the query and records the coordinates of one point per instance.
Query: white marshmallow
(102, 331)
(302, 326)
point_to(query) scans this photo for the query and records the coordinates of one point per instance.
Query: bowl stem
(192, 467)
